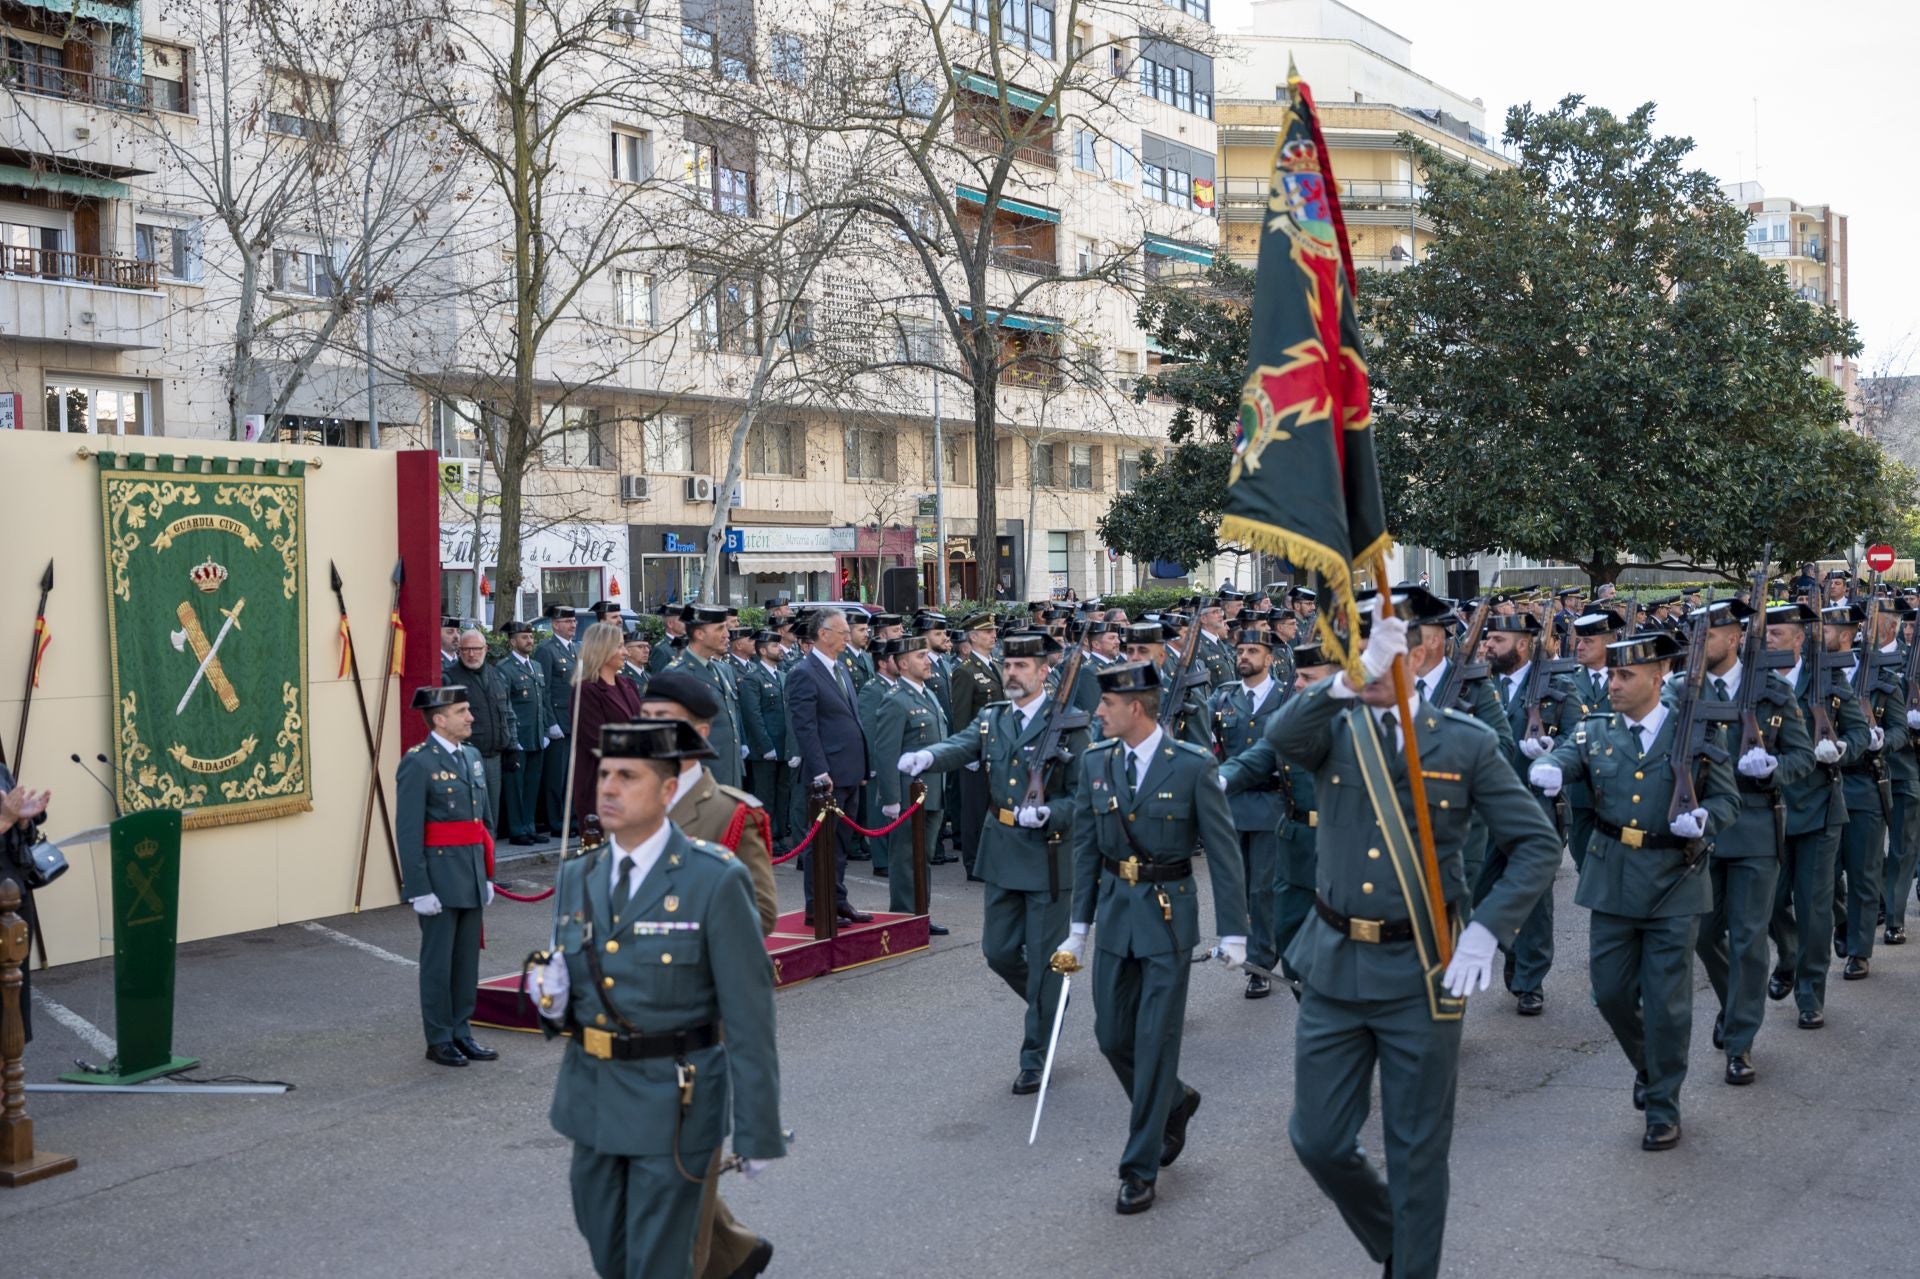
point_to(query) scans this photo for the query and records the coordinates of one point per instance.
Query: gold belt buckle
(1633, 837)
(1367, 930)
(1313, 818)
(598, 1043)
(1006, 817)
(1130, 870)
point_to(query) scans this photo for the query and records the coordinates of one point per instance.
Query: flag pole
(1417, 784)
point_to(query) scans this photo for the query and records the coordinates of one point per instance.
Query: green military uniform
(556, 657)
(860, 665)
(867, 705)
(1476, 698)
(1645, 899)
(1368, 993)
(1217, 656)
(1296, 833)
(1258, 813)
(1144, 908)
(908, 719)
(437, 784)
(1903, 845)
(1192, 723)
(1863, 844)
(527, 693)
(725, 733)
(763, 717)
(661, 655)
(681, 956)
(1028, 874)
(1590, 686)
(1745, 870)
(976, 685)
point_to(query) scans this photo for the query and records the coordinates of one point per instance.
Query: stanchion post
(19, 1164)
(821, 857)
(916, 796)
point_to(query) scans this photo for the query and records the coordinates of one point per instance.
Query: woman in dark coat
(605, 699)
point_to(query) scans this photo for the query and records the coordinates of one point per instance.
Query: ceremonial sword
(233, 615)
(1066, 965)
(1249, 965)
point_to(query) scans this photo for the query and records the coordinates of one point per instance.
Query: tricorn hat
(684, 691)
(1130, 677)
(433, 699)
(1145, 633)
(516, 628)
(1599, 622)
(1728, 612)
(1648, 646)
(654, 739)
(1262, 638)
(1028, 644)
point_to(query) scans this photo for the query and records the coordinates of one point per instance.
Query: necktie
(1639, 737)
(1134, 772)
(840, 678)
(1389, 725)
(1420, 687)
(624, 893)
(1720, 689)
(1512, 691)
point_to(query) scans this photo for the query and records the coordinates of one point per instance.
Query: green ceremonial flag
(207, 636)
(1305, 483)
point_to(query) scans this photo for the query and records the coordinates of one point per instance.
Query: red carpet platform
(796, 956)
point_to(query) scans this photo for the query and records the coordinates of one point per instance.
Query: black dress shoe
(880, 872)
(1812, 1019)
(1258, 987)
(859, 857)
(523, 841)
(1778, 987)
(938, 859)
(1894, 937)
(474, 1052)
(757, 1260)
(1855, 970)
(1639, 1092)
(1135, 1196)
(1720, 1031)
(1839, 943)
(852, 916)
(445, 1055)
(1026, 1082)
(937, 930)
(1740, 1069)
(1175, 1139)
(1661, 1136)
(1532, 1003)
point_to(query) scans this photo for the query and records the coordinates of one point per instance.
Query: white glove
(1223, 783)
(1913, 719)
(488, 899)
(889, 811)
(554, 733)
(1472, 966)
(794, 762)
(1075, 944)
(743, 752)
(426, 904)
(1546, 777)
(1535, 747)
(914, 763)
(1757, 763)
(551, 981)
(974, 767)
(1876, 738)
(1828, 751)
(1689, 825)
(1033, 818)
(752, 1168)
(1386, 641)
(823, 777)
(774, 755)
(1232, 952)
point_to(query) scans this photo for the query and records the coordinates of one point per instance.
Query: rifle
(1865, 673)
(1692, 729)
(1173, 699)
(1062, 718)
(1755, 662)
(1459, 670)
(1544, 667)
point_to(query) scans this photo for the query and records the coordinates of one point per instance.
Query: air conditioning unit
(633, 488)
(700, 488)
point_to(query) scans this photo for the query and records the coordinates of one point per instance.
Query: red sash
(460, 835)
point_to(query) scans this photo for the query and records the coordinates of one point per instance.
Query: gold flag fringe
(248, 813)
(1334, 572)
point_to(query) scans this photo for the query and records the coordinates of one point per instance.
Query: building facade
(1808, 242)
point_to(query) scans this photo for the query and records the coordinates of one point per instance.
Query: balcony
(1810, 249)
(1025, 263)
(86, 299)
(77, 116)
(1363, 201)
(71, 84)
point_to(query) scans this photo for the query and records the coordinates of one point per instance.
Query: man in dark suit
(823, 710)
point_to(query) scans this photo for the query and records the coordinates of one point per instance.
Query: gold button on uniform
(607, 982)
(1636, 799)
(1374, 853)
(665, 959)
(613, 948)
(1366, 888)
(1639, 777)
(599, 1019)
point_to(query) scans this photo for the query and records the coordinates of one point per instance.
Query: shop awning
(987, 87)
(65, 183)
(1014, 320)
(1020, 208)
(751, 562)
(1161, 246)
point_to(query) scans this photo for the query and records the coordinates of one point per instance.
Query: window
(1175, 174)
(787, 58)
(1129, 470)
(719, 164)
(298, 271)
(1080, 466)
(1085, 256)
(632, 155)
(1044, 474)
(300, 106)
(332, 432)
(633, 299)
(697, 47)
(799, 331)
(866, 454)
(667, 445)
(174, 250)
(1126, 166)
(1024, 24)
(163, 69)
(1176, 75)
(956, 459)
(917, 340)
(629, 23)
(94, 407)
(726, 314)
(456, 429)
(776, 448)
(1086, 150)
(456, 592)
(571, 436)
(1058, 555)
(1078, 42)
(914, 96)
(569, 587)
(1200, 9)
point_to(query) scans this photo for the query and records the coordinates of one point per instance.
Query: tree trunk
(986, 511)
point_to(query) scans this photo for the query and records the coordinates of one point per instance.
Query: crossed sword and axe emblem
(190, 633)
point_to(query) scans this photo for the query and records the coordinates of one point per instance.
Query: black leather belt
(1634, 837)
(1135, 871)
(1756, 785)
(611, 1046)
(1366, 930)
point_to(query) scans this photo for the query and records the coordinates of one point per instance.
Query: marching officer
(908, 719)
(1592, 632)
(1863, 844)
(526, 682)
(658, 945)
(703, 656)
(1147, 909)
(1023, 855)
(976, 685)
(1639, 884)
(1745, 869)
(446, 868)
(1147, 642)
(1210, 632)
(1372, 989)
(1241, 711)
(1904, 766)
(556, 655)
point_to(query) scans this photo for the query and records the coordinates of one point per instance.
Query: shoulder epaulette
(415, 747)
(739, 796)
(1462, 717)
(715, 851)
(1191, 749)
(1103, 744)
(1002, 702)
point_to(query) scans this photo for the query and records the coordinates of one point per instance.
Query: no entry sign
(1880, 557)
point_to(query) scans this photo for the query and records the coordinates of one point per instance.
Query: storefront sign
(819, 541)
(674, 544)
(561, 546)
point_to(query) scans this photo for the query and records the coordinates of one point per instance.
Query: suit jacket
(494, 727)
(600, 704)
(826, 727)
(705, 811)
(711, 966)
(433, 786)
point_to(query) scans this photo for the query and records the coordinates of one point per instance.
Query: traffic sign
(1880, 557)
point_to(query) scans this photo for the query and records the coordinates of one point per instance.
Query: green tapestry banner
(207, 635)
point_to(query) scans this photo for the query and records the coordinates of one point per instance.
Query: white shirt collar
(525, 660)
(644, 856)
(913, 683)
(1144, 752)
(445, 745)
(1433, 679)
(689, 778)
(1731, 679)
(1652, 723)
(773, 668)
(1792, 675)
(1032, 708)
(1518, 676)
(827, 662)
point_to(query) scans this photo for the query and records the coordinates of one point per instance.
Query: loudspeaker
(1463, 583)
(900, 590)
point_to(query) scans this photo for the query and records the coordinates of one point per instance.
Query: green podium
(146, 916)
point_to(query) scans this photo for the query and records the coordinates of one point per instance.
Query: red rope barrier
(884, 830)
(801, 847)
(522, 897)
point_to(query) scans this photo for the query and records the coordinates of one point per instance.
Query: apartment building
(112, 315)
(1808, 242)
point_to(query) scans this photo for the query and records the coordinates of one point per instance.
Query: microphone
(112, 796)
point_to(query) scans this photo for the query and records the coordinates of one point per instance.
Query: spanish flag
(1305, 483)
(399, 643)
(42, 637)
(346, 648)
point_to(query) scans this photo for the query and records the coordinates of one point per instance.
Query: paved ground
(912, 1157)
